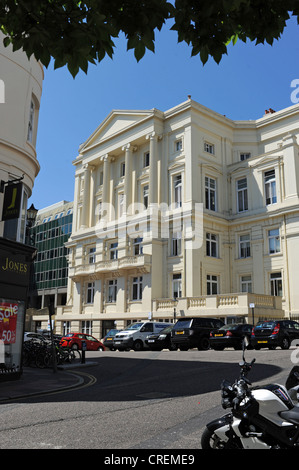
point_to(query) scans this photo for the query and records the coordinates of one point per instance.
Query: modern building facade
(49, 275)
(184, 212)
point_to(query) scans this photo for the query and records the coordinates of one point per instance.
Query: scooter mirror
(245, 343)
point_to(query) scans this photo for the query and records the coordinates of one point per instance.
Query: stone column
(106, 159)
(86, 197)
(128, 175)
(291, 165)
(106, 178)
(75, 207)
(153, 175)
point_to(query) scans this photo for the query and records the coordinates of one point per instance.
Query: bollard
(83, 352)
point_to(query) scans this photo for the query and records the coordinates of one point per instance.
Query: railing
(127, 262)
(226, 304)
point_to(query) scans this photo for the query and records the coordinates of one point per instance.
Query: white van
(134, 336)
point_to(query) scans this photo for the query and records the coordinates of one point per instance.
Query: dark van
(194, 332)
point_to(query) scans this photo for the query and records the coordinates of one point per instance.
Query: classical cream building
(21, 83)
(184, 212)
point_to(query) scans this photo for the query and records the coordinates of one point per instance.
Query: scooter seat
(291, 415)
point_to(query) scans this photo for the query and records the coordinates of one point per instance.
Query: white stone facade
(21, 83)
(184, 212)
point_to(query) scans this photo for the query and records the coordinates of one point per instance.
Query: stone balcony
(95, 270)
(223, 305)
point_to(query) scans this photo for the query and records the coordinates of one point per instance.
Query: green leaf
(139, 51)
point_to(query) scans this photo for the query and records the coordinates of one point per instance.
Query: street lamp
(174, 309)
(31, 215)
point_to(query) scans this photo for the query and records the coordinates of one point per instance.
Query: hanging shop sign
(12, 201)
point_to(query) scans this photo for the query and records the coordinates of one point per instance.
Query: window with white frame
(90, 292)
(276, 283)
(113, 250)
(31, 122)
(246, 284)
(92, 255)
(245, 156)
(86, 327)
(137, 246)
(66, 328)
(145, 193)
(210, 148)
(122, 169)
(270, 187)
(210, 193)
(177, 285)
(244, 246)
(212, 245)
(112, 290)
(242, 195)
(274, 241)
(212, 284)
(177, 190)
(176, 244)
(178, 145)
(146, 159)
(137, 288)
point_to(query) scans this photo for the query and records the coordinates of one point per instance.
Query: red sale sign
(8, 321)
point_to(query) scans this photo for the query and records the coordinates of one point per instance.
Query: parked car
(134, 336)
(74, 341)
(230, 336)
(162, 340)
(108, 339)
(194, 332)
(270, 334)
(28, 335)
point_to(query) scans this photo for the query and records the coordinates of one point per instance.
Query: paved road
(144, 400)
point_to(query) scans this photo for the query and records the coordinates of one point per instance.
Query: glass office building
(49, 234)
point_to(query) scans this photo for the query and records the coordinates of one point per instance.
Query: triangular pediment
(115, 123)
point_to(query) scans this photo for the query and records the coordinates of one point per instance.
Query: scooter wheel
(210, 440)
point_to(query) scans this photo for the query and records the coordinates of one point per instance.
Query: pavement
(34, 381)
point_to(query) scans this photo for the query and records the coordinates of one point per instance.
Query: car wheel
(285, 344)
(204, 344)
(100, 348)
(75, 346)
(138, 346)
(173, 347)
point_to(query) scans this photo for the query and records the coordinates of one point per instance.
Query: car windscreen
(112, 332)
(266, 324)
(134, 326)
(166, 330)
(183, 324)
(229, 327)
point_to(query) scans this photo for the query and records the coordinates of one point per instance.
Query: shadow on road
(141, 378)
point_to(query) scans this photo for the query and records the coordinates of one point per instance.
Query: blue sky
(247, 81)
